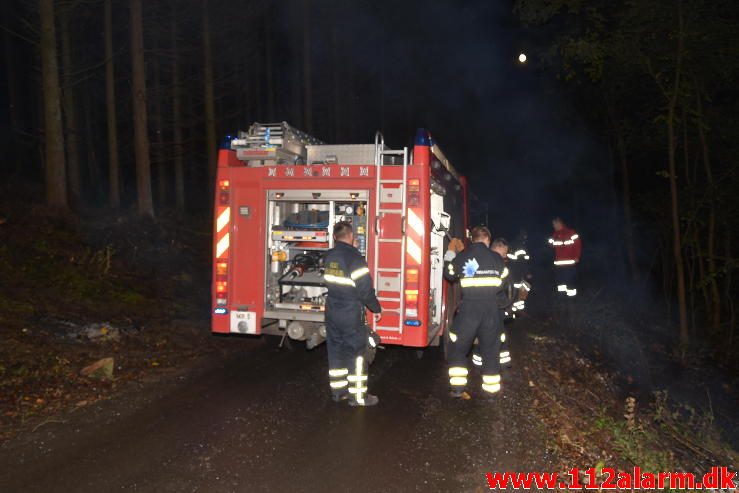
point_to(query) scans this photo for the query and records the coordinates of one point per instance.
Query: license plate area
(243, 322)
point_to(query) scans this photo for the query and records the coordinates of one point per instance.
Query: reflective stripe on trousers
(491, 383)
(458, 376)
(337, 378)
(358, 380)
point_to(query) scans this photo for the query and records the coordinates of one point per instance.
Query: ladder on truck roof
(389, 279)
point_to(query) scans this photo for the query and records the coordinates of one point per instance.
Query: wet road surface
(261, 420)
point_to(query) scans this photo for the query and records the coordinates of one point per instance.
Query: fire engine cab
(278, 194)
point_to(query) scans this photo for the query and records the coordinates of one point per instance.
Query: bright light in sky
(522, 58)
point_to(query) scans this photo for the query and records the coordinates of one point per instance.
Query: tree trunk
(210, 112)
(307, 86)
(626, 198)
(14, 114)
(70, 113)
(55, 173)
(712, 272)
(140, 131)
(158, 144)
(114, 183)
(269, 67)
(674, 205)
(93, 171)
(336, 83)
(179, 168)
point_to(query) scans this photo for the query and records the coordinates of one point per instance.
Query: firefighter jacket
(567, 246)
(480, 272)
(347, 277)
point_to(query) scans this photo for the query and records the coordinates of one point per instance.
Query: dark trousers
(481, 320)
(346, 342)
(565, 277)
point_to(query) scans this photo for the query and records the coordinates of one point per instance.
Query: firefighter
(567, 249)
(349, 292)
(500, 248)
(518, 263)
(504, 302)
(480, 274)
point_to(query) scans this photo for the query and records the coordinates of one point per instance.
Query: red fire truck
(278, 194)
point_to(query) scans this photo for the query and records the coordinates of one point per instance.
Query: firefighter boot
(367, 400)
(339, 396)
(459, 394)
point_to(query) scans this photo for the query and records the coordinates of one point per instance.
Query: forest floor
(78, 291)
(75, 291)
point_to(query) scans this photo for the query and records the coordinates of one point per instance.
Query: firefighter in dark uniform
(504, 303)
(479, 272)
(349, 291)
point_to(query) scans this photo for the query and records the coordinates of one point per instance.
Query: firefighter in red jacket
(567, 249)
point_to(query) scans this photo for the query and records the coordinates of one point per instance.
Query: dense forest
(122, 104)
(658, 81)
(115, 102)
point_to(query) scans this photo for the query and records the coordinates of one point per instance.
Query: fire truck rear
(278, 194)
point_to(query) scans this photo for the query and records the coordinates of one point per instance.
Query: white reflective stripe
(505, 360)
(574, 237)
(505, 354)
(415, 222)
(492, 388)
(477, 362)
(480, 282)
(562, 287)
(339, 384)
(502, 337)
(564, 262)
(339, 372)
(490, 379)
(572, 292)
(414, 250)
(551, 240)
(358, 388)
(526, 257)
(344, 281)
(452, 336)
(458, 381)
(363, 271)
(569, 242)
(526, 286)
(458, 371)
(511, 256)
(357, 378)
(222, 245)
(520, 252)
(476, 357)
(223, 219)
(518, 285)
(505, 273)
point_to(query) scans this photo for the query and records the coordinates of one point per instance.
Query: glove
(456, 245)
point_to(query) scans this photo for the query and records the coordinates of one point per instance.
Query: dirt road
(260, 420)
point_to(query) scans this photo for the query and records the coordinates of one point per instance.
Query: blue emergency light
(423, 137)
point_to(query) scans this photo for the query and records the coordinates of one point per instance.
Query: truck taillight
(411, 293)
(414, 187)
(221, 291)
(221, 268)
(224, 187)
